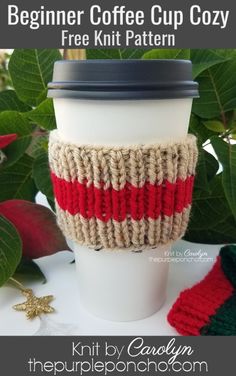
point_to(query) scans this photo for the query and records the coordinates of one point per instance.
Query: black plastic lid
(123, 79)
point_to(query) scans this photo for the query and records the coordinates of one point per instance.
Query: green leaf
(14, 122)
(51, 204)
(31, 70)
(10, 250)
(38, 145)
(197, 128)
(209, 208)
(225, 52)
(125, 53)
(214, 125)
(203, 59)
(222, 233)
(207, 168)
(41, 175)
(212, 166)
(44, 115)
(167, 54)
(10, 102)
(217, 87)
(227, 157)
(16, 181)
(29, 270)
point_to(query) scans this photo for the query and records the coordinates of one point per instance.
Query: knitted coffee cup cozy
(123, 197)
(209, 307)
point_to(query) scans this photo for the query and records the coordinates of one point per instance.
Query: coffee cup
(116, 117)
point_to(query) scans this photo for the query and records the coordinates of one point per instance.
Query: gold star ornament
(34, 306)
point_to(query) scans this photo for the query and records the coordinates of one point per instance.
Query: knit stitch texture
(123, 197)
(209, 307)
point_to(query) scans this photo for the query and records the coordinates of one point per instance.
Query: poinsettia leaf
(197, 128)
(115, 53)
(51, 204)
(214, 125)
(207, 167)
(10, 250)
(209, 208)
(10, 102)
(39, 144)
(7, 139)
(175, 53)
(28, 270)
(44, 115)
(212, 166)
(227, 157)
(41, 175)
(217, 88)
(16, 181)
(222, 232)
(14, 122)
(37, 227)
(203, 59)
(211, 220)
(31, 70)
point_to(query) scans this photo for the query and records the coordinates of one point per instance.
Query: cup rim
(123, 79)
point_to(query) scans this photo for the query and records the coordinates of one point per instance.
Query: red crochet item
(209, 307)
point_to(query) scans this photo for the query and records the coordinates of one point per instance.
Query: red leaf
(7, 139)
(37, 227)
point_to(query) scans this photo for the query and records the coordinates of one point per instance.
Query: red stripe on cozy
(195, 307)
(149, 201)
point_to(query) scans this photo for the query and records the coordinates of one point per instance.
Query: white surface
(121, 285)
(124, 122)
(62, 283)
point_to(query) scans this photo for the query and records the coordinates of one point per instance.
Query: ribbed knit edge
(209, 307)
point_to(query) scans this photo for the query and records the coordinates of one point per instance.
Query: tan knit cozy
(123, 197)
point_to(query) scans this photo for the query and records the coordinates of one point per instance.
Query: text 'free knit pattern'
(123, 197)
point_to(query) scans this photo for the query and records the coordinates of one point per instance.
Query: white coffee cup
(121, 103)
